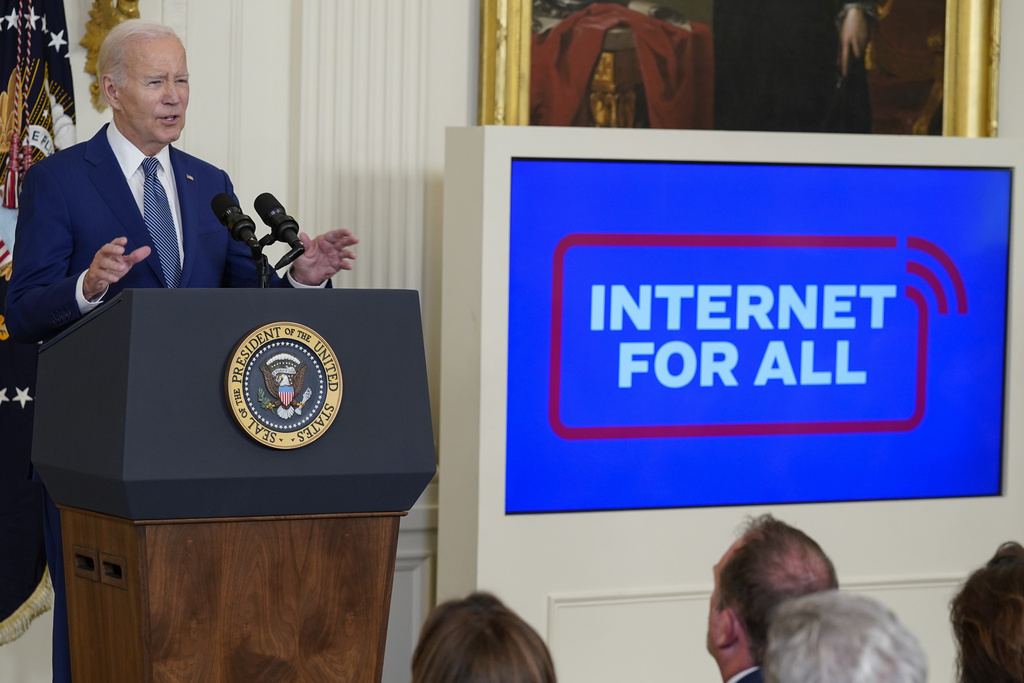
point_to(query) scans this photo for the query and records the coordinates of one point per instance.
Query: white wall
(1011, 67)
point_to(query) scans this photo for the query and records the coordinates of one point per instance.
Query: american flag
(37, 115)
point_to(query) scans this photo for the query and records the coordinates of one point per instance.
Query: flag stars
(32, 17)
(12, 19)
(57, 40)
(22, 396)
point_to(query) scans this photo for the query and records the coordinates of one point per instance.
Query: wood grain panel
(104, 621)
(281, 599)
(286, 600)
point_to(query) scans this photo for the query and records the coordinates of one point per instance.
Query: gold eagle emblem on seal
(283, 385)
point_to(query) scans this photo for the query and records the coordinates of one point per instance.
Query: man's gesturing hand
(324, 256)
(109, 265)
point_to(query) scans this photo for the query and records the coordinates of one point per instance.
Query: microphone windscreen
(221, 204)
(265, 204)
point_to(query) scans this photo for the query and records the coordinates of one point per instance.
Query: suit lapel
(111, 185)
(188, 203)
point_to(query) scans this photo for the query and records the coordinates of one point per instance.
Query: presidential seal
(284, 385)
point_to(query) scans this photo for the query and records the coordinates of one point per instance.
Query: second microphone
(282, 226)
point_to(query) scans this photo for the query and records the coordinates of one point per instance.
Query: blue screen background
(955, 450)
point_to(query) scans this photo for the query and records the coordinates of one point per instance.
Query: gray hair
(837, 637)
(113, 51)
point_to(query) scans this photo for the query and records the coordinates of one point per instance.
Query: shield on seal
(285, 394)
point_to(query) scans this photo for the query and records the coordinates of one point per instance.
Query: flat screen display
(703, 334)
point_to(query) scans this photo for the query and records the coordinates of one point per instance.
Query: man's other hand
(324, 256)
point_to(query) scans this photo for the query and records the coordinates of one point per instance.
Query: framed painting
(870, 66)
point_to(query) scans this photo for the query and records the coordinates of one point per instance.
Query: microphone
(231, 217)
(282, 226)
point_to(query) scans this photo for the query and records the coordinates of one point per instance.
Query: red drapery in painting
(676, 66)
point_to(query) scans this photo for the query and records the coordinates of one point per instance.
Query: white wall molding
(362, 144)
(236, 82)
(412, 597)
(416, 566)
(175, 14)
(559, 602)
(661, 629)
(903, 583)
(423, 515)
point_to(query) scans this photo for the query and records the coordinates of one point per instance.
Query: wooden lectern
(192, 551)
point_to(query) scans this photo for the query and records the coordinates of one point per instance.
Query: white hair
(112, 57)
(837, 637)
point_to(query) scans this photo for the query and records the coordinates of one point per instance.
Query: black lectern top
(132, 418)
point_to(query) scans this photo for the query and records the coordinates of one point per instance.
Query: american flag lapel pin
(189, 177)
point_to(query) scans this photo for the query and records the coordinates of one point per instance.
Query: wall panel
(361, 154)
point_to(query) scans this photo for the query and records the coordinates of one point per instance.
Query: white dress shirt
(129, 158)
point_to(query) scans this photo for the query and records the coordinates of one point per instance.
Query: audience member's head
(770, 563)
(988, 620)
(479, 640)
(836, 637)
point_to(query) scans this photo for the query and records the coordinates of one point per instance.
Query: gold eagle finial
(106, 14)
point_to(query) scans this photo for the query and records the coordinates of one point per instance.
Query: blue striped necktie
(156, 211)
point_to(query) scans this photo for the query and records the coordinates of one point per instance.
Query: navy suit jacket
(753, 677)
(77, 200)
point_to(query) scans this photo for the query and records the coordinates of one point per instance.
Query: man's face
(714, 608)
(149, 109)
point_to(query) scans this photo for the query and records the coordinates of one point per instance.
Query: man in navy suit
(85, 225)
(770, 563)
(81, 233)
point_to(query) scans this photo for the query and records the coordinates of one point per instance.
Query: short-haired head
(988, 620)
(773, 562)
(113, 56)
(837, 637)
(479, 640)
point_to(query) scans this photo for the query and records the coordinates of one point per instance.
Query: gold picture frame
(970, 76)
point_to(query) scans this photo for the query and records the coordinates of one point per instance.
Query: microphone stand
(263, 270)
(290, 256)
